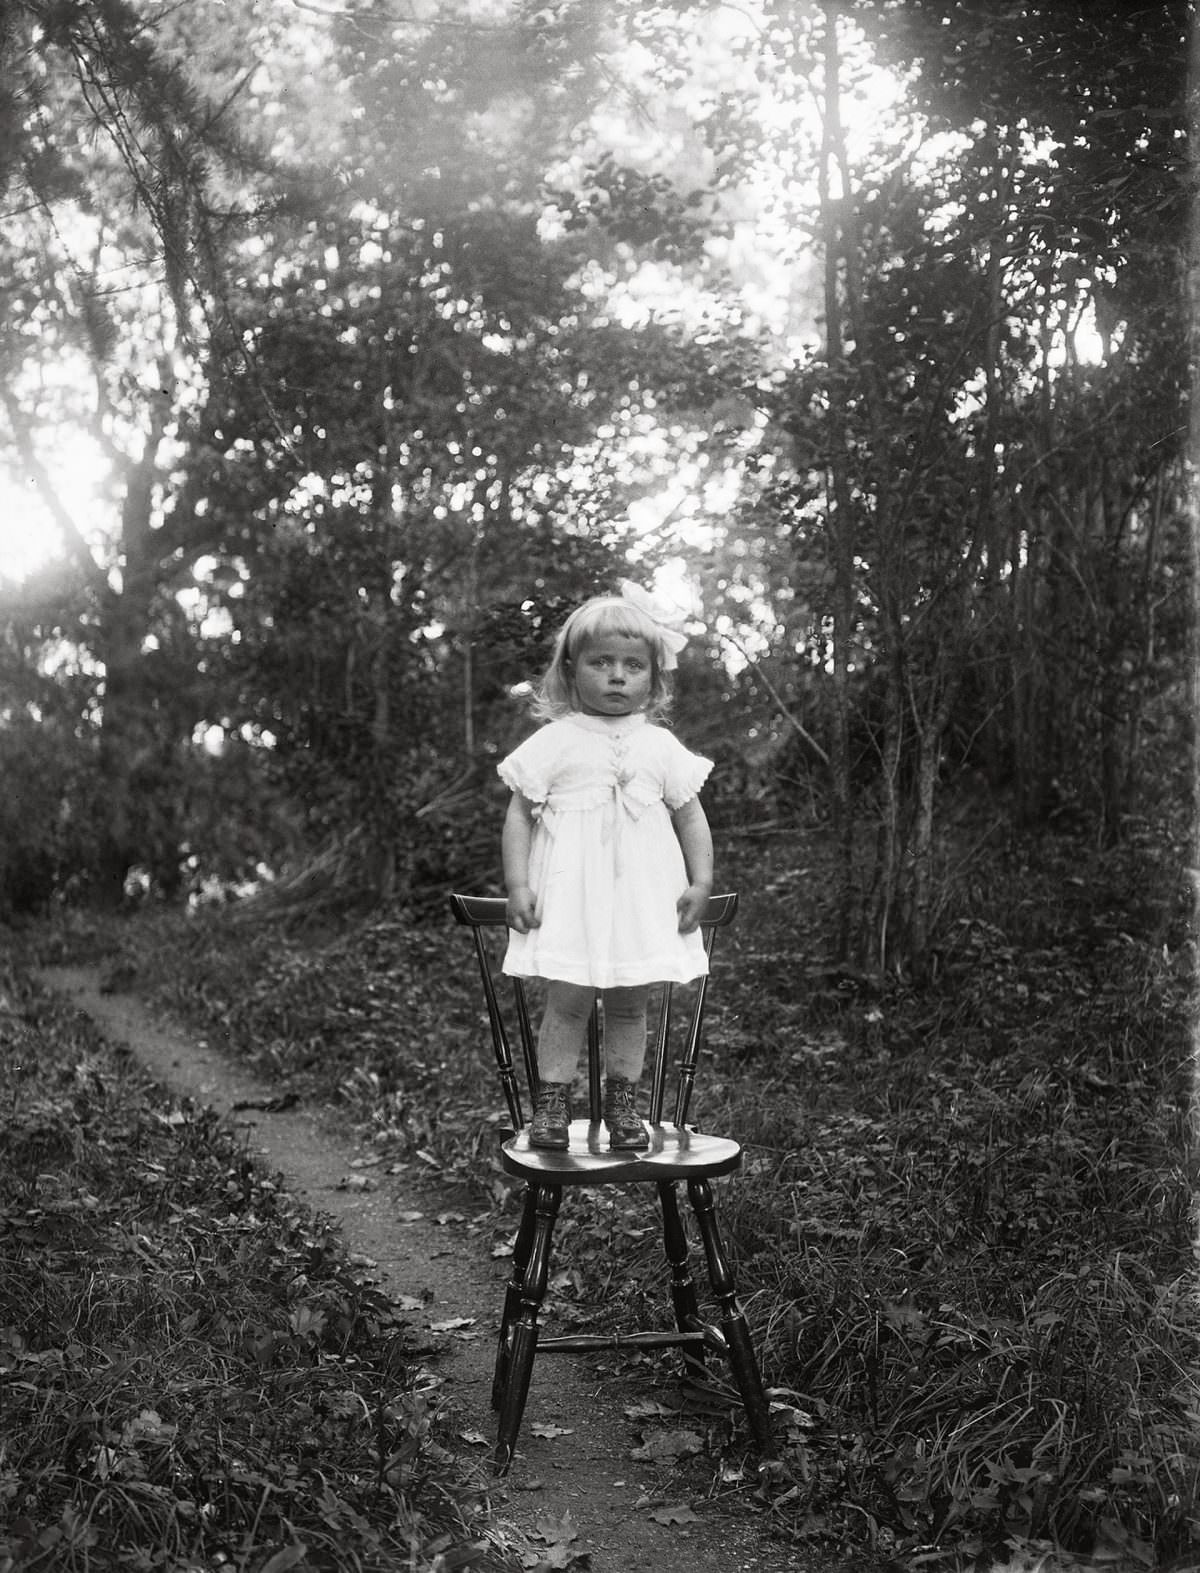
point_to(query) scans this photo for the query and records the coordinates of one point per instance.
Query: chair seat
(675, 1153)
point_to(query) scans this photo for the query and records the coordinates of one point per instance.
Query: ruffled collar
(617, 726)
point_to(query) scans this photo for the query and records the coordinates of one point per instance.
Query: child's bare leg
(624, 1055)
(564, 1026)
(625, 1031)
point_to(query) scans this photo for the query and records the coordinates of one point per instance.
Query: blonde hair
(555, 697)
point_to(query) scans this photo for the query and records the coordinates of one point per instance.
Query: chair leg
(733, 1319)
(545, 1200)
(512, 1297)
(683, 1285)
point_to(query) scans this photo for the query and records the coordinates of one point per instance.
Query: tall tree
(111, 260)
(1072, 187)
(993, 502)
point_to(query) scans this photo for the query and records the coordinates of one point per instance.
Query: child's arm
(514, 847)
(695, 839)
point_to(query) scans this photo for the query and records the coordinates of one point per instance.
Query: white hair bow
(673, 640)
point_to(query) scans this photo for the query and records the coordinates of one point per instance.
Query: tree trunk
(1136, 692)
(881, 939)
(995, 735)
(840, 520)
(1112, 616)
(383, 839)
(931, 729)
(1047, 604)
(130, 735)
(1024, 574)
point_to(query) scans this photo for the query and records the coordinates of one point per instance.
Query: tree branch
(792, 719)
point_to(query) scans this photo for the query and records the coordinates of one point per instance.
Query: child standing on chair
(607, 853)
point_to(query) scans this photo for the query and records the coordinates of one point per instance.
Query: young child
(607, 853)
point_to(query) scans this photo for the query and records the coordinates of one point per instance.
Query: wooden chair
(677, 1152)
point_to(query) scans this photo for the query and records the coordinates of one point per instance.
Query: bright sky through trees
(641, 125)
(756, 242)
(29, 537)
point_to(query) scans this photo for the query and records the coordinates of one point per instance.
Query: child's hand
(520, 910)
(691, 907)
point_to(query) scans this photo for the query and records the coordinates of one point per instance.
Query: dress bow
(624, 806)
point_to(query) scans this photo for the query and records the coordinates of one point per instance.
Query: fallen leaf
(558, 1531)
(788, 1415)
(452, 1325)
(543, 1428)
(307, 1319)
(561, 1559)
(668, 1444)
(680, 1514)
(148, 1427)
(647, 1409)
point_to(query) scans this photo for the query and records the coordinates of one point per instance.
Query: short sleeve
(685, 773)
(529, 769)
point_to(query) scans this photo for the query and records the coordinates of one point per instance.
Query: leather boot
(550, 1126)
(625, 1130)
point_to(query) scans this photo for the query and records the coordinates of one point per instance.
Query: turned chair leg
(544, 1210)
(512, 1296)
(733, 1320)
(683, 1285)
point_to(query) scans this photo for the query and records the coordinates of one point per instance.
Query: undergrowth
(964, 1222)
(192, 1372)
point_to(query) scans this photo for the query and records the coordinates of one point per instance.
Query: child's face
(613, 673)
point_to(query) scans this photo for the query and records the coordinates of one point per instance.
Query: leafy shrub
(47, 824)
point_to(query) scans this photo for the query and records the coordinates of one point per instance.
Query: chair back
(511, 1021)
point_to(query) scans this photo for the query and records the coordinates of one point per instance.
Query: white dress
(605, 865)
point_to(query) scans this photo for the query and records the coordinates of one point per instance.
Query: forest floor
(578, 1496)
(963, 1227)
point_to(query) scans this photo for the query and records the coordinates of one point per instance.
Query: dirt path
(585, 1470)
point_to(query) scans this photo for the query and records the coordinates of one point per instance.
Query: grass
(194, 1376)
(988, 1243)
(964, 1221)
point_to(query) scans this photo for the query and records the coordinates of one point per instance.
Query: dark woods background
(339, 306)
